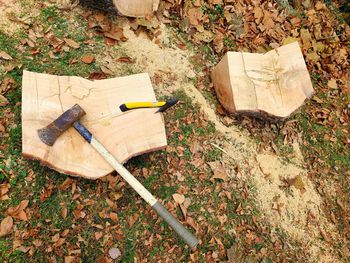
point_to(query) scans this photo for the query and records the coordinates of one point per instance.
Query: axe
(49, 135)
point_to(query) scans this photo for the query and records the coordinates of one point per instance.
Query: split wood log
(45, 97)
(136, 8)
(273, 84)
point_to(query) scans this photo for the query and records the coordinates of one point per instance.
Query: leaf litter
(288, 211)
(286, 195)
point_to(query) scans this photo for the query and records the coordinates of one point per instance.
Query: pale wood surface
(275, 83)
(136, 8)
(45, 97)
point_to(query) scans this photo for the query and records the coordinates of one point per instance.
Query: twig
(218, 147)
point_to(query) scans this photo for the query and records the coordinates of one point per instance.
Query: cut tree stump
(136, 8)
(45, 97)
(273, 84)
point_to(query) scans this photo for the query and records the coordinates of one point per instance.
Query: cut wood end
(273, 84)
(136, 8)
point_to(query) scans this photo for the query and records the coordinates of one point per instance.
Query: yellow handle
(135, 105)
(162, 105)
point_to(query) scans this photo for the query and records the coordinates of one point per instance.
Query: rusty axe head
(51, 132)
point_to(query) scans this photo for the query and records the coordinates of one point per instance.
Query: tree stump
(273, 84)
(45, 97)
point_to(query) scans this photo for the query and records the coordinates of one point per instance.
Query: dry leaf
(113, 216)
(3, 101)
(125, 60)
(69, 259)
(218, 170)
(98, 235)
(37, 242)
(23, 249)
(5, 56)
(190, 222)
(51, 55)
(60, 242)
(64, 212)
(116, 33)
(4, 188)
(88, 59)
(222, 219)
(6, 226)
(332, 83)
(71, 43)
(55, 238)
(179, 198)
(18, 211)
(114, 253)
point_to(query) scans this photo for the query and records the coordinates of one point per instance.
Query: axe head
(51, 132)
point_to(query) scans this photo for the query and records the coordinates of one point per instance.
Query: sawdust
(14, 15)
(290, 201)
(296, 209)
(153, 59)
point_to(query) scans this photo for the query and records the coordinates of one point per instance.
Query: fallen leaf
(2, 128)
(88, 59)
(218, 170)
(69, 259)
(332, 83)
(113, 216)
(4, 188)
(97, 75)
(6, 226)
(60, 242)
(55, 238)
(125, 60)
(71, 43)
(51, 55)
(116, 33)
(114, 253)
(18, 211)
(5, 56)
(3, 101)
(98, 235)
(222, 219)
(190, 222)
(179, 198)
(37, 242)
(23, 249)
(205, 36)
(64, 212)
(65, 232)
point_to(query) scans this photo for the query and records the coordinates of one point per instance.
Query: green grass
(184, 124)
(336, 154)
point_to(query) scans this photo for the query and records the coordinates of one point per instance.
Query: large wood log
(45, 97)
(275, 83)
(136, 8)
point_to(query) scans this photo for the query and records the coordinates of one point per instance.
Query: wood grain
(136, 8)
(275, 83)
(45, 97)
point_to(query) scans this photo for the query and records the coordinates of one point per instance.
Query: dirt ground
(270, 207)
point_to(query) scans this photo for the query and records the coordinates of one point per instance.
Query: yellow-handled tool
(162, 105)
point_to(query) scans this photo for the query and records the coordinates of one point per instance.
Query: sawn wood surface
(45, 97)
